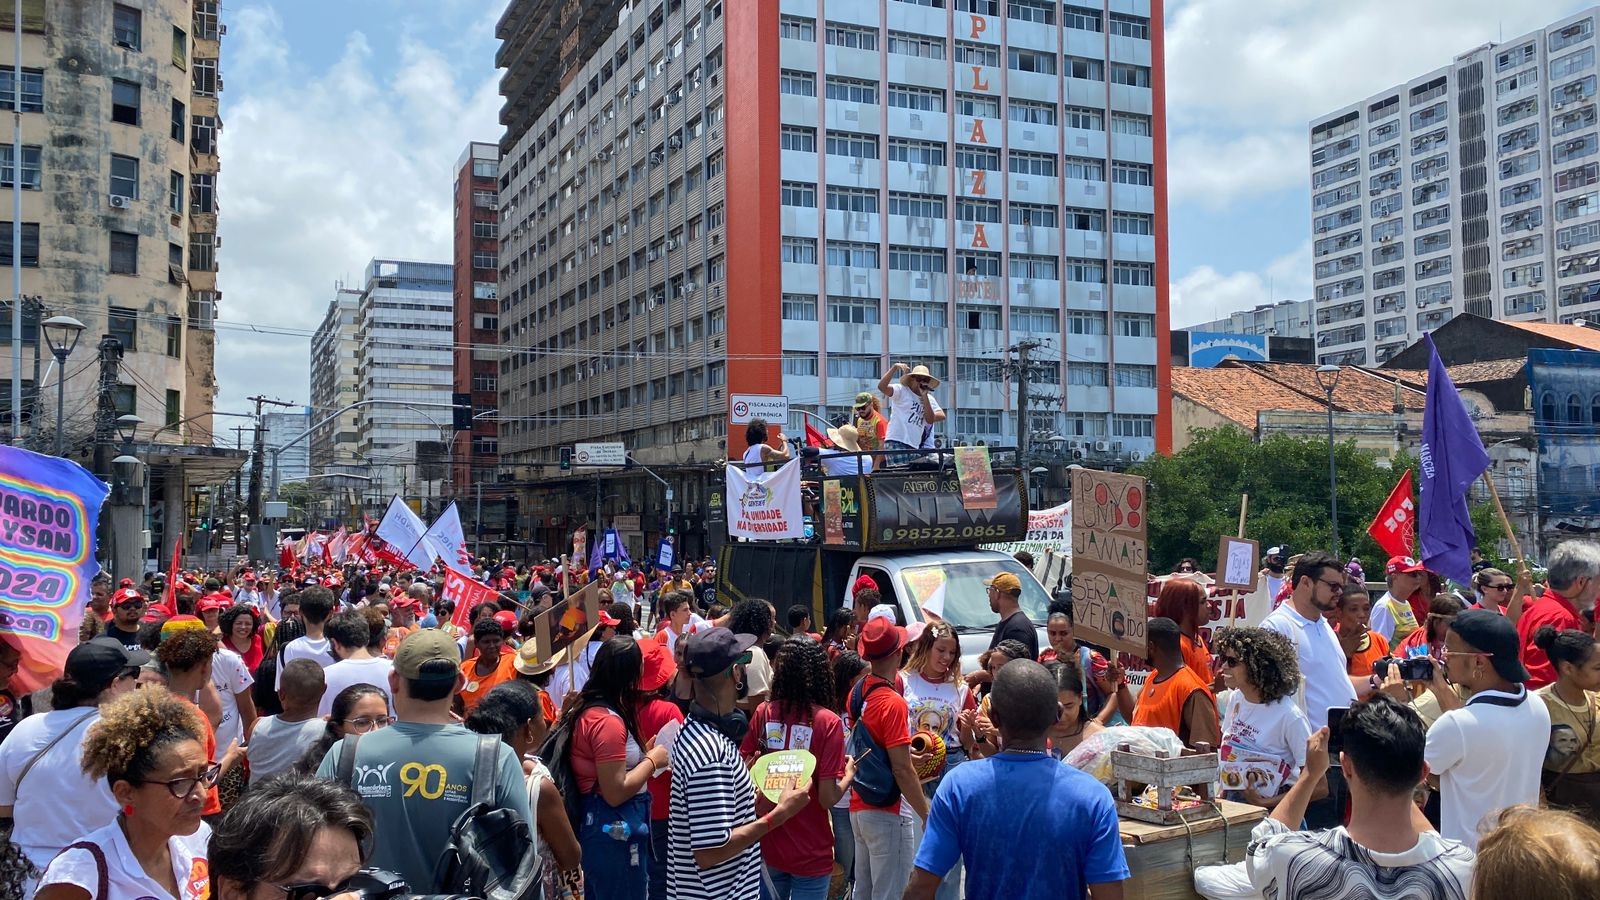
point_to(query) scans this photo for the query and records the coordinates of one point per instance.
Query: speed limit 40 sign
(770, 407)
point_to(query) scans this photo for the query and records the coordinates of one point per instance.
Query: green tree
(1194, 497)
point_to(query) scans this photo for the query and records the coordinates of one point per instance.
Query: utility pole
(257, 460)
(1022, 372)
(105, 432)
(238, 494)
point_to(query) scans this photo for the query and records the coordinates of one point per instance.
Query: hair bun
(1545, 637)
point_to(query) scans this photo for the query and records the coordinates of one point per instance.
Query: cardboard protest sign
(1110, 564)
(1237, 563)
(784, 769)
(977, 478)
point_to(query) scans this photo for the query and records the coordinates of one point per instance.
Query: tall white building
(1285, 318)
(1471, 188)
(279, 429)
(334, 348)
(714, 197)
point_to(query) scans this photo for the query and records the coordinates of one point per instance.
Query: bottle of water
(618, 831)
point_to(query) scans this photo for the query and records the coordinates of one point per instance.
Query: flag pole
(1500, 510)
(566, 597)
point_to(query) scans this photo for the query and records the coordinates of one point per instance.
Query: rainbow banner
(48, 510)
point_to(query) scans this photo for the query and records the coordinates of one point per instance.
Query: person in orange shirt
(1184, 602)
(871, 425)
(1362, 646)
(489, 667)
(1175, 697)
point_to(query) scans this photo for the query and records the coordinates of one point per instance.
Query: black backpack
(874, 782)
(556, 752)
(490, 853)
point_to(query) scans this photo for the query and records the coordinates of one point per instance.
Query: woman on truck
(758, 453)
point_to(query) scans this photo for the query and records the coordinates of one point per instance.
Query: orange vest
(1161, 702)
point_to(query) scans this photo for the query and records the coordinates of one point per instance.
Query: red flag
(169, 600)
(815, 438)
(1395, 527)
(465, 594)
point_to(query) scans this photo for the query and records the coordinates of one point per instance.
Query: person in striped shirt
(714, 835)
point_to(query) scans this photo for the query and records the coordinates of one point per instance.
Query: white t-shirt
(1322, 664)
(697, 624)
(1487, 755)
(58, 803)
(934, 706)
(319, 651)
(1263, 744)
(276, 745)
(560, 685)
(846, 464)
(906, 423)
(758, 673)
(346, 672)
(124, 876)
(229, 674)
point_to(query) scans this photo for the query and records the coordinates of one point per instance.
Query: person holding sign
(799, 853)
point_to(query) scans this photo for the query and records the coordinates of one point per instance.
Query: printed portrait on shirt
(1564, 743)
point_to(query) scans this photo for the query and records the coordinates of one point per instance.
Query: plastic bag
(1093, 756)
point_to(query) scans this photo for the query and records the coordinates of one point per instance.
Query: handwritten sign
(1110, 565)
(1237, 563)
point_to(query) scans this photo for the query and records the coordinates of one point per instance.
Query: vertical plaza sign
(1110, 562)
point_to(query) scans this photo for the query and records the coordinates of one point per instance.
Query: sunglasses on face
(1228, 662)
(1336, 587)
(181, 788)
(311, 890)
(1499, 587)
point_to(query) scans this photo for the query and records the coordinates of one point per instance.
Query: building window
(1135, 325)
(798, 29)
(205, 20)
(175, 264)
(1084, 169)
(175, 194)
(205, 134)
(853, 310)
(203, 194)
(30, 168)
(1087, 69)
(1133, 223)
(977, 54)
(1022, 60)
(30, 245)
(123, 323)
(1045, 114)
(1082, 18)
(977, 158)
(1136, 376)
(851, 36)
(794, 137)
(127, 27)
(1133, 426)
(916, 314)
(1134, 274)
(1131, 26)
(1086, 323)
(1042, 267)
(485, 230)
(795, 193)
(915, 45)
(800, 84)
(800, 308)
(180, 48)
(845, 366)
(855, 255)
(925, 99)
(853, 145)
(1086, 271)
(854, 200)
(1132, 76)
(905, 259)
(174, 340)
(981, 423)
(978, 211)
(917, 153)
(126, 400)
(485, 260)
(125, 176)
(798, 250)
(851, 90)
(180, 124)
(1085, 374)
(124, 102)
(1041, 321)
(32, 89)
(202, 251)
(978, 318)
(124, 253)
(206, 82)
(1132, 173)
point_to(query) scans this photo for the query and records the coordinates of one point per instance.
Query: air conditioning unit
(675, 142)
(1101, 446)
(672, 244)
(120, 202)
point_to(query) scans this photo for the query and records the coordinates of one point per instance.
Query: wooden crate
(1197, 770)
(1162, 858)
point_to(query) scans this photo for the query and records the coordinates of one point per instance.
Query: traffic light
(566, 459)
(461, 411)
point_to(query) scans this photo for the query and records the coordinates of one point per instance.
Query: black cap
(1492, 633)
(713, 652)
(101, 660)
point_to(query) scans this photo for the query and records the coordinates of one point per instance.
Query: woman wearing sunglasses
(290, 838)
(357, 709)
(1263, 731)
(150, 747)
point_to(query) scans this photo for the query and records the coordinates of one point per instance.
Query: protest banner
(1237, 563)
(1109, 559)
(446, 540)
(465, 593)
(765, 506)
(48, 510)
(832, 512)
(1049, 534)
(977, 478)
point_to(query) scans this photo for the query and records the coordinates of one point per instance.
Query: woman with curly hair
(241, 632)
(798, 854)
(1263, 731)
(151, 748)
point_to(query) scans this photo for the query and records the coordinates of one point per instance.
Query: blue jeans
(844, 843)
(658, 859)
(776, 885)
(615, 869)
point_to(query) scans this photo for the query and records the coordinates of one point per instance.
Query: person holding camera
(290, 836)
(1486, 753)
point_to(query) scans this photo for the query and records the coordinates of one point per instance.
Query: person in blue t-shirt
(1022, 798)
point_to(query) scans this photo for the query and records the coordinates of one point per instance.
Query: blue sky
(344, 120)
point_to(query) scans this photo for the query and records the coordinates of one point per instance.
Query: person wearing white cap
(844, 461)
(914, 412)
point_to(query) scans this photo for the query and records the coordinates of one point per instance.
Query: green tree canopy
(1194, 497)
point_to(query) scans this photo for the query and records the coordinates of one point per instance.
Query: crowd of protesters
(312, 732)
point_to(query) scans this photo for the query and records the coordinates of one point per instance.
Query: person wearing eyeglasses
(358, 709)
(290, 838)
(150, 747)
(1485, 753)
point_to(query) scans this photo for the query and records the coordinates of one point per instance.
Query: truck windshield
(966, 599)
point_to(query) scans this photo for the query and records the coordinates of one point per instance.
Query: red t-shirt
(653, 716)
(803, 845)
(600, 736)
(213, 802)
(1550, 609)
(887, 718)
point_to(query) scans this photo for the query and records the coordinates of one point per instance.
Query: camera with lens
(1415, 668)
(377, 884)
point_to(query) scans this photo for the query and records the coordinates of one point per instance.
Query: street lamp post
(62, 333)
(1328, 379)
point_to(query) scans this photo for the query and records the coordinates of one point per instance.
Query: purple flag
(1452, 458)
(608, 546)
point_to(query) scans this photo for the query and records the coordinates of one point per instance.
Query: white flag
(446, 540)
(765, 507)
(403, 532)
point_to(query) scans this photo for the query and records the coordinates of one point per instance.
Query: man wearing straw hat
(844, 461)
(913, 410)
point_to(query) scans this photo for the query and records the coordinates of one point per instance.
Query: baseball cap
(102, 659)
(1006, 582)
(1403, 565)
(1494, 634)
(213, 602)
(507, 619)
(249, 576)
(881, 611)
(714, 652)
(427, 655)
(126, 596)
(608, 619)
(403, 601)
(659, 666)
(880, 638)
(863, 399)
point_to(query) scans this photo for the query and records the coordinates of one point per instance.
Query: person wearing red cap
(489, 667)
(210, 608)
(1403, 608)
(127, 609)
(881, 743)
(656, 675)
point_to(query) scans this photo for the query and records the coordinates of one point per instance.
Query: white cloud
(1215, 170)
(323, 169)
(1204, 293)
